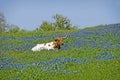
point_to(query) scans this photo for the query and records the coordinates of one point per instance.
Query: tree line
(60, 23)
(5, 27)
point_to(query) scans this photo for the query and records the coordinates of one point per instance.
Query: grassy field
(87, 54)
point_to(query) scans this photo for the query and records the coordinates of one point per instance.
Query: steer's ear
(55, 39)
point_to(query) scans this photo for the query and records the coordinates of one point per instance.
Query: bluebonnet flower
(53, 61)
(16, 66)
(97, 57)
(75, 72)
(84, 61)
(79, 43)
(66, 46)
(4, 38)
(6, 61)
(105, 55)
(4, 66)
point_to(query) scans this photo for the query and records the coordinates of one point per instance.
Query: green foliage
(46, 26)
(1, 29)
(13, 29)
(4, 27)
(94, 27)
(95, 54)
(61, 22)
(2, 23)
(84, 62)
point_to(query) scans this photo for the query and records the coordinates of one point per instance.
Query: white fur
(45, 46)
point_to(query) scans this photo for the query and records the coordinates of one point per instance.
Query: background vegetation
(60, 23)
(87, 54)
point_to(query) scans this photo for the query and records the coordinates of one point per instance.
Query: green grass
(75, 63)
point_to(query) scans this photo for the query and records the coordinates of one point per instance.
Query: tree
(13, 28)
(46, 26)
(61, 22)
(4, 27)
(2, 23)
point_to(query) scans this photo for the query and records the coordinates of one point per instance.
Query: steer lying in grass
(55, 45)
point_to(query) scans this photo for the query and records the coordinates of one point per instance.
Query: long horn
(65, 36)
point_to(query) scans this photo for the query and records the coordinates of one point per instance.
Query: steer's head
(58, 42)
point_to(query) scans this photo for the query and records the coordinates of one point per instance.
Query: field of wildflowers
(87, 54)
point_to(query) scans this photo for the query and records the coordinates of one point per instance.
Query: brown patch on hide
(58, 42)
